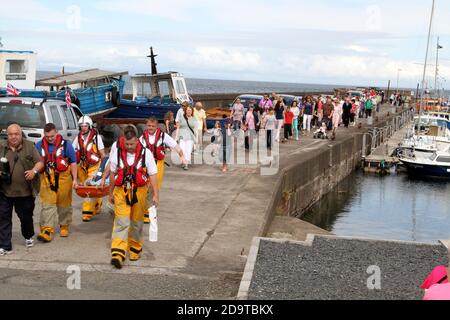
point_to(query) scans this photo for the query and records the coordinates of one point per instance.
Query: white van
(33, 114)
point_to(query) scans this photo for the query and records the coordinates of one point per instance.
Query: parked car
(32, 114)
(355, 94)
(245, 100)
(288, 99)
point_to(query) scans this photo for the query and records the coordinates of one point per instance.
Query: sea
(206, 86)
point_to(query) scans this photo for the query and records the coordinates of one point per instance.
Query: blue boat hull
(143, 110)
(92, 101)
(436, 171)
(130, 109)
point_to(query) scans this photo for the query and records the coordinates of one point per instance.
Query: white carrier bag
(153, 228)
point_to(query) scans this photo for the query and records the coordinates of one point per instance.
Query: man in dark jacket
(19, 186)
(346, 110)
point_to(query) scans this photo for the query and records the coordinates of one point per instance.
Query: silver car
(33, 114)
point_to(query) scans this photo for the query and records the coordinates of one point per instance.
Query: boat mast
(154, 64)
(436, 90)
(425, 66)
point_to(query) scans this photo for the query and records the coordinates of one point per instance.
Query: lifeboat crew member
(89, 149)
(58, 178)
(156, 141)
(133, 173)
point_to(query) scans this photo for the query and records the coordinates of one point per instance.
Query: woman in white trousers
(186, 134)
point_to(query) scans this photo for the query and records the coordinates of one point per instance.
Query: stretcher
(92, 191)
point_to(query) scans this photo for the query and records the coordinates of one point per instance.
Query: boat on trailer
(154, 94)
(96, 92)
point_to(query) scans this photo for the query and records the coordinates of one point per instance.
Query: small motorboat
(435, 165)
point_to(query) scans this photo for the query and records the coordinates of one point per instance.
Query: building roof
(15, 51)
(78, 77)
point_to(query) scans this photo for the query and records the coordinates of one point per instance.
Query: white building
(18, 68)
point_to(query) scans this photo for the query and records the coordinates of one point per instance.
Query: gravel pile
(338, 269)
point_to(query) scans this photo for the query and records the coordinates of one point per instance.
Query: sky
(350, 42)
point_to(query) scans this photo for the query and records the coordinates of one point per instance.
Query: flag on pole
(68, 99)
(440, 47)
(11, 90)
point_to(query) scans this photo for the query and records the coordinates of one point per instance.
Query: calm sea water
(393, 207)
(201, 86)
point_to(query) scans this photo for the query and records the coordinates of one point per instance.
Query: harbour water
(394, 207)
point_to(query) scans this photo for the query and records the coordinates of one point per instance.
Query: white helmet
(85, 120)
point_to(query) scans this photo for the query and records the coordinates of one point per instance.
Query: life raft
(92, 191)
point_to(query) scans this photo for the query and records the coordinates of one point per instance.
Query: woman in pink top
(250, 124)
(237, 114)
(265, 104)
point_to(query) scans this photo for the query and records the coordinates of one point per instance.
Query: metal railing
(380, 135)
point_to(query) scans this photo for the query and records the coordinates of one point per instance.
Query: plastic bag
(153, 227)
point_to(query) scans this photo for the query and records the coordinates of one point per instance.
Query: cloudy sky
(357, 42)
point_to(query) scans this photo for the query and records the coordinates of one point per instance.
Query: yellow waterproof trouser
(128, 223)
(160, 174)
(56, 206)
(91, 206)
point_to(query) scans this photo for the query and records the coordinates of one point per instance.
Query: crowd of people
(283, 122)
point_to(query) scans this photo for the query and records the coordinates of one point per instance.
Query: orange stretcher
(92, 191)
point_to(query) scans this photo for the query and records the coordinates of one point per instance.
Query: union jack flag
(68, 99)
(11, 90)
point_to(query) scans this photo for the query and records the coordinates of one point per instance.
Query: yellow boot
(46, 234)
(98, 208)
(64, 231)
(117, 261)
(87, 216)
(134, 257)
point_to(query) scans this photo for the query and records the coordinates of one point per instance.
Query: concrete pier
(207, 221)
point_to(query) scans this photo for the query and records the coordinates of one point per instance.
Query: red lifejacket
(57, 160)
(88, 153)
(136, 174)
(157, 148)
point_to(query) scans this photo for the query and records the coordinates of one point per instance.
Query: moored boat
(436, 165)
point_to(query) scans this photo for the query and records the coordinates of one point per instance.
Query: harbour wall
(222, 100)
(308, 176)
